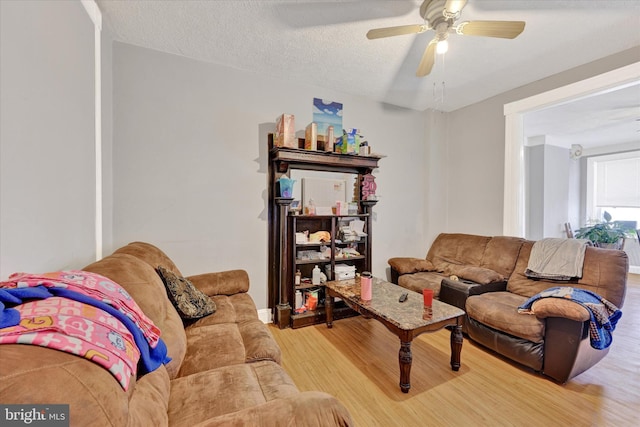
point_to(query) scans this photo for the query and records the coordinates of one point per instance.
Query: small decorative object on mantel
(329, 140)
(286, 186)
(311, 137)
(369, 187)
(349, 143)
(285, 135)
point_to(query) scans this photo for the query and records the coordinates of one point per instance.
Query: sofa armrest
(560, 307)
(567, 349)
(222, 283)
(308, 408)
(410, 265)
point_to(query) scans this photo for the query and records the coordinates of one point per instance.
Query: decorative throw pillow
(190, 302)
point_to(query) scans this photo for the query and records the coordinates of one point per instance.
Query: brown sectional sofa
(225, 367)
(554, 341)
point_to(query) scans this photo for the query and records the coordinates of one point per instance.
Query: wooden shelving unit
(283, 260)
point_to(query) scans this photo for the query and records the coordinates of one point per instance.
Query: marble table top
(407, 315)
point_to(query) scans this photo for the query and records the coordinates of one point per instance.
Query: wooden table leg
(328, 309)
(456, 346)
(405, 358)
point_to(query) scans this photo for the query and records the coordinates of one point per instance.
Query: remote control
(403, 297)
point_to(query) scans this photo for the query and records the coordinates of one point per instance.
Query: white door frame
(514, 182)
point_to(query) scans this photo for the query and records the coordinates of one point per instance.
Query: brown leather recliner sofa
(478, 259)
(225, 368)
(555, 341)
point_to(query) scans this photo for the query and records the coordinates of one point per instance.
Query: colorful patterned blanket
(604, 315)
(84, 314)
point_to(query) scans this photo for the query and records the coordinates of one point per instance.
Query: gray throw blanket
(557, 259)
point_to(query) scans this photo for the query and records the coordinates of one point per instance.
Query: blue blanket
(150, 358)
(603, 314)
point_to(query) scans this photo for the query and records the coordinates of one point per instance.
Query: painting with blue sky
(327, 113)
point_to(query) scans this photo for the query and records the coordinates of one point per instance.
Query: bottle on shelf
(298, 278)
(315, 276)
(298, 299)
(311, 207)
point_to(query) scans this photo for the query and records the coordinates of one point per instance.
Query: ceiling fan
(441, 16)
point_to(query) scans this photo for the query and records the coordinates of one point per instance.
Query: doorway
(515, 181)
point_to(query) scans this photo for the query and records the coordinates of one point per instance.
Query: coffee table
(406, 320)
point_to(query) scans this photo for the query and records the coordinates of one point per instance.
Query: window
(613, 184)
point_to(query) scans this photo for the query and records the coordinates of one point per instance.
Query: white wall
(552, 191)
(190, 162)
(556, 190)
(575, 194)
(106, 62)
(534, 199)
(475, 158)
(435, 173)
(47, 178)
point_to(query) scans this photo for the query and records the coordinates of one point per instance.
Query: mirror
(323, 188)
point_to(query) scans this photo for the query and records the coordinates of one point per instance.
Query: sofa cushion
(211, 347)
(419, 281)
(198, 397)
(480, 275)
(190, 302)
(457, 248)
(604, 273)
(150, 254)
(499, 310)
(259, 344)
(410, 265)
(240, 310)
(144, 285)
(501, 254)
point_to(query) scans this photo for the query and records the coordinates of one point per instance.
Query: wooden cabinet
(285, 255)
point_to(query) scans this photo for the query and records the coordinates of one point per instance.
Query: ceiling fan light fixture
(442, 47)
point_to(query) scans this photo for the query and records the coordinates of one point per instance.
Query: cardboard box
(342, 272)
(285, 135)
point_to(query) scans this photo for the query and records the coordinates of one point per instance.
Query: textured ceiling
(323, 42)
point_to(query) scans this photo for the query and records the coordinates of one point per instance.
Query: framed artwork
(327, 113)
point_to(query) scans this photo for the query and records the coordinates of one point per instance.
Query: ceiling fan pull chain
(438, 97)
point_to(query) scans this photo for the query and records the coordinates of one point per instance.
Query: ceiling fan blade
(454, 6)
(428, 59)
(502, 29)
(396, 31)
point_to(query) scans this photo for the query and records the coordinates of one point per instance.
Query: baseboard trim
(265, 315)
(634, 269)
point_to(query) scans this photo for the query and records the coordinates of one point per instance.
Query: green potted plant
(604, 234)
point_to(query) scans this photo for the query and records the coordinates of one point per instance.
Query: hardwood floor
(357, 361)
